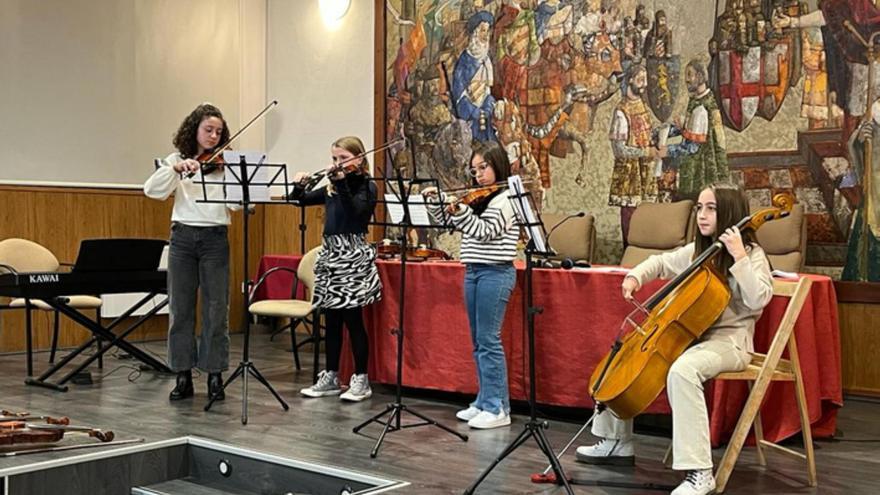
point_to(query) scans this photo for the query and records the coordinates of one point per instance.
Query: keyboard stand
(106, 334)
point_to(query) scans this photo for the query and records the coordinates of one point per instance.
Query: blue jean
(198, 260)
(487, 290)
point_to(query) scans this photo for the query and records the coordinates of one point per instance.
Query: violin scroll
(782, 205)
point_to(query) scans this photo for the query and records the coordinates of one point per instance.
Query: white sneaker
(358, 389)
(485, 420)
(328, 384)
(608, 452)
(697, 482)
(468, 414)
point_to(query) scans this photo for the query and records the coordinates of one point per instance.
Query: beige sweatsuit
(724, 347)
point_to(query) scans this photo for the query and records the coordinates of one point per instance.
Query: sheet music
(260, 191)
(524, 212)
(418, 211)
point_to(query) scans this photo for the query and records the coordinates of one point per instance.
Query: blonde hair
(355, 146)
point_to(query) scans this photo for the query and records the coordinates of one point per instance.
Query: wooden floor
(320, 430)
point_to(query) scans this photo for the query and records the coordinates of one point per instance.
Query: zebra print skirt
(345, 273)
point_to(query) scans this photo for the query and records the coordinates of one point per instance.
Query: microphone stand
(549, 264)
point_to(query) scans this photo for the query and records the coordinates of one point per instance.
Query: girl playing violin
(198, 254)
(346, 277)
(724, 347)
(488, 248)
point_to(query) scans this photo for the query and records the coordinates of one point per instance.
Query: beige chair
(575, 239)
(299, 311)
(763, 369)
(658, 227)
(23, 256)
(785, 240)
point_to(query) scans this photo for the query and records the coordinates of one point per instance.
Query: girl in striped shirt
(488, 248)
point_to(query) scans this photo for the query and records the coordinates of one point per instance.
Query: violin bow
(222, 148)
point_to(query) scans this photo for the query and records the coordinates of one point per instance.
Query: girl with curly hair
(198, 255)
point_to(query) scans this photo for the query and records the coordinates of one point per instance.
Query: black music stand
(395, 409)
(242, 175)
(529, 220)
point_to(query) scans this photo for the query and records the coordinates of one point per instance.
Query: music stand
(530, 222)
(242, 175)
(401, 199)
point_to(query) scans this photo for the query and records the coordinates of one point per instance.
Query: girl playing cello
(725, 346)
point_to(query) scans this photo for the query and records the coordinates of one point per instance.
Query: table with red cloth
(583, 310)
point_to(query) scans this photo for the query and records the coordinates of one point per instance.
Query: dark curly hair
(185, 137)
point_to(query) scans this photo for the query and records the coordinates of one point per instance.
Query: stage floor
(435, 462)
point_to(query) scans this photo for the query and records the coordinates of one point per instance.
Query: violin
(209, 160)
(474, 195)
(23, 432)
(6, 416)
(346, 166)
(388, 250)
(633, 373)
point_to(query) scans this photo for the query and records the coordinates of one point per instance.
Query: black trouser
(198, 260)
(353, 318)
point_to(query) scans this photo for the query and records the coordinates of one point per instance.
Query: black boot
(215, 386)
(184, 387)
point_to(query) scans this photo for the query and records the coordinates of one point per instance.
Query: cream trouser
(691, 447)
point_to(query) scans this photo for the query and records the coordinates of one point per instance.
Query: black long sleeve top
(349, 209)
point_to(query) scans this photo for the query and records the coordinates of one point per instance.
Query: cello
(633, 373)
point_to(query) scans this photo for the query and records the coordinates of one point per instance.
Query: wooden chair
(766, 368)
(763, 369)
(299, 311)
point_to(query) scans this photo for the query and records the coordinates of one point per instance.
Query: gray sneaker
(358, 389)
(328, 384)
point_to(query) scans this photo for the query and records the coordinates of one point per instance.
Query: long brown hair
(731, 206)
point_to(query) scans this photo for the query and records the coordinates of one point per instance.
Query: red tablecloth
(582, 314)
(278, 284)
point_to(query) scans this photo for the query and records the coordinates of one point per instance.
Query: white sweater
(488, 238)
(751, 288)
(187, 209)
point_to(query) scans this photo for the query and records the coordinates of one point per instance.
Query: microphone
(567, 263)
(579, 214)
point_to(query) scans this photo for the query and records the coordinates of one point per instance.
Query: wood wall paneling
(860, 347)
(59, 217)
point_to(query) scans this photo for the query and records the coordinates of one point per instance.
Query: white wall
(92, 90)
(322, 78)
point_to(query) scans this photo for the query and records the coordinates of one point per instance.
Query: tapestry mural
(604, 104)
